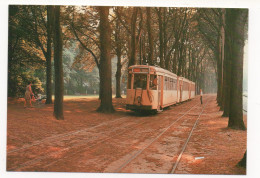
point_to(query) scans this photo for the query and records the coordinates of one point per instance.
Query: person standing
(201, 93)
(28, 95)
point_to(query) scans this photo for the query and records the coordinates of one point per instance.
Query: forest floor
(126, 142)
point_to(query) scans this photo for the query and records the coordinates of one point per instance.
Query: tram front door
(160, 92)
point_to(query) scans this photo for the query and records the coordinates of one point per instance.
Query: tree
(242, 162)
(150, 36)
(41, 32)
(48, 55)
(227, 65)
(161, 34)
(59, 86)
(25, 60)
(237, 34)
(210, 25)
(84, 27)
(105, 61)
(132, 60)
(118, 48)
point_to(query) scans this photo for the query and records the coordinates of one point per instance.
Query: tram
(153, 88)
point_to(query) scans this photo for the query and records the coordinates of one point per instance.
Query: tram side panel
(179, 88)
(185, 91)
(192, 90)
(169, 91)
(185, 95)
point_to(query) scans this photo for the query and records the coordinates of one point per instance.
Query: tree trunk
(174, 63)
(58, 102)
(165, 40)
(132, 60)
(179, 73)
(150, 37)
(161, 37)
(221, 64)
(242, 162)
(105, 62)
(118, 54)
(219, 71)
(227, 65)
(100, 94)
(118, 79)
(239, 17)
(48, 56)
(118, 76)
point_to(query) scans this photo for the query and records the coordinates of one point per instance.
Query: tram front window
(153, 82)
(140, 81)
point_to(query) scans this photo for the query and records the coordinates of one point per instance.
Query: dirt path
(87, 141)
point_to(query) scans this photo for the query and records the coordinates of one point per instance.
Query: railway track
(57, 137)
(120, 168)
(82, 146)
(187, 141)
(78, 146)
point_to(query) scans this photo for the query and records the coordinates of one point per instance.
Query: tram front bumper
(138, 107)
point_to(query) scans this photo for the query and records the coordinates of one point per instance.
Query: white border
(253, 77)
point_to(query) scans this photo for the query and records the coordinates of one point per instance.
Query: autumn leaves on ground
(87, 141)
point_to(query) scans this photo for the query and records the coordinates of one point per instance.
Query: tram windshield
(153, 82)
(140, 81)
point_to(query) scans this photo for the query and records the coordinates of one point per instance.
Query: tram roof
(153, 68)
(158, 69)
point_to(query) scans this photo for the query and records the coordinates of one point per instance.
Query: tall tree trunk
(132, 60)
(174, 62)
(118, 77)
(219, 71)
(242, 162)
(239, 17)
(150, 37)
(100, 86)
(48, 56)
(221, 63)
(105, 62)
(118, 54)
(227, 65)
(59, 85)
(179, 73)
(190, 64)
(161, 50)
(165, 40)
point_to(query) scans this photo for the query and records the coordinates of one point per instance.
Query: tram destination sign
(140, 70)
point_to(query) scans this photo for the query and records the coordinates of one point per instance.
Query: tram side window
(153, 82)
(159, 82)
(171, 84)
(165, 83)
(174, 84)
(140, 81)
(185, 86)
(129, 79)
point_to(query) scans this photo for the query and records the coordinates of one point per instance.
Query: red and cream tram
(154, 88)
